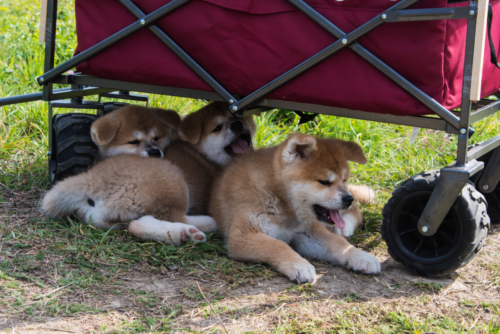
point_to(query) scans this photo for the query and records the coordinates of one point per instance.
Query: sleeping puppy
(135, 130)
(277, 204)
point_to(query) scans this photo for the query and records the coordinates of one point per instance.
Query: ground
(50, 287)
(64, 276)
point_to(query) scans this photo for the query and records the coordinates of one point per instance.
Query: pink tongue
(240, 146)
(337, 219)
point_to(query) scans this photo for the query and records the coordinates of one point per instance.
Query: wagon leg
(449, 186)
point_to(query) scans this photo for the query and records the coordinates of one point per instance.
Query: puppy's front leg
(150, 228)
(248, 243)
(319, 243)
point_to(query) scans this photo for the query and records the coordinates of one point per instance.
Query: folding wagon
(407, 62)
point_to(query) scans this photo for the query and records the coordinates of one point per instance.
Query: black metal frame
(455, 123)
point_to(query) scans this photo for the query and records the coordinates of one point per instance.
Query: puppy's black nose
(236, 126)
(347, 200)
(154, 152)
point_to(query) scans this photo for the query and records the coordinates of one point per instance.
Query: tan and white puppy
(275, 205)
(135, 130)
(125, 192)
(212, 138)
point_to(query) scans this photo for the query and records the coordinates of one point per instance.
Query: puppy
(274, 206)
(135, 130)
(211, 137)
(149, 197)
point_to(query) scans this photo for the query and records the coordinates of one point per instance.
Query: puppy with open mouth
(209, 139)
(275, 205)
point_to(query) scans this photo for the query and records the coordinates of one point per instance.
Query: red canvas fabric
(245, 44)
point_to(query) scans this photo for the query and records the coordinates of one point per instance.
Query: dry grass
(48, 288)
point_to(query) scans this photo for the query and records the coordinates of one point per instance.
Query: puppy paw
(298, 271)
(190, 233)
(363, 262)
(150, 228)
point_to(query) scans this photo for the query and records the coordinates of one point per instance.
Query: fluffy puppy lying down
(278, 204)
(159, 199)
(125, 189)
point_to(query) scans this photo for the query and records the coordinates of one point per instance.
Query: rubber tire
(469, 210)
(72, 147)
(493, 198)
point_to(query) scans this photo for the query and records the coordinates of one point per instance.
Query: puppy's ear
(104, 129)
(169, 117)
(191, 127)
(298, 146)
(352, 151)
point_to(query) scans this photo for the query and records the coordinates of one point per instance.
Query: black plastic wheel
(493, 198)
(454, 244)
(72, 147)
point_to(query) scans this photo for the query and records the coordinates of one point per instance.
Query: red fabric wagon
(245, 44)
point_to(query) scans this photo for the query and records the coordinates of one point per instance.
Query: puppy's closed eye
(134, 142)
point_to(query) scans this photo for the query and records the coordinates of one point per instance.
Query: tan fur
(130, 186)
(363, 194)
(154, 128)
(263, 205)
(198, 171)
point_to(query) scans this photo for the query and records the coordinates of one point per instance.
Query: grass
(52, 269)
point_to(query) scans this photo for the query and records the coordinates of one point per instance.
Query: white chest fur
(270, 225)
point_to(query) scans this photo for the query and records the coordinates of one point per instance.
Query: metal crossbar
(200, 71)
(379, 64)
(340, 44)
(84, 55)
